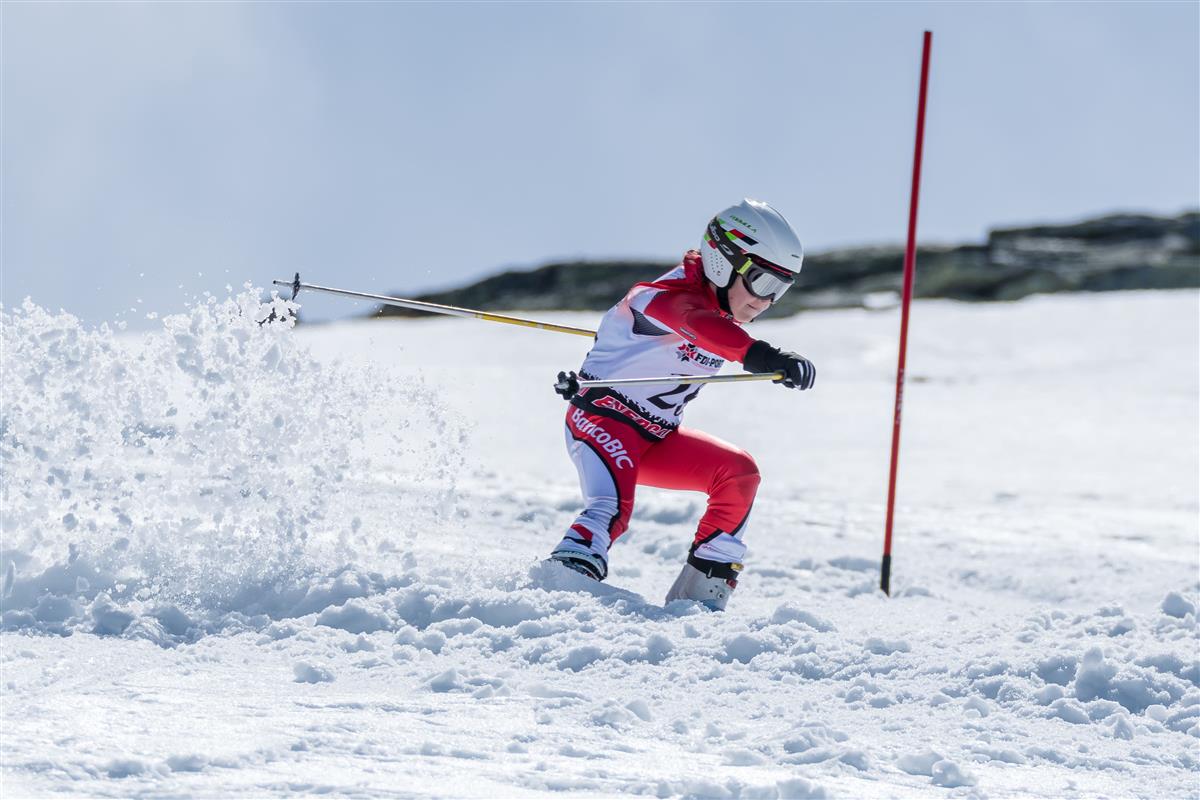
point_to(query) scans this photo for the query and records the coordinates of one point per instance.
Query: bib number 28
(670, 399)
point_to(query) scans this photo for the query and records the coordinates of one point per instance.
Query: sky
(152, 152)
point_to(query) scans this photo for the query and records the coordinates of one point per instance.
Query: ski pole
(434, 308)
(569, 382)
(682, 379)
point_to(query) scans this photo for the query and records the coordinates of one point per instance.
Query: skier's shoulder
(684, 282)
(686, 276)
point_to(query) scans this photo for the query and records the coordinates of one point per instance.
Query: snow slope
(242, 559)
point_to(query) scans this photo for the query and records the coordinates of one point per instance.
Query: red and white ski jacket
(671, 326)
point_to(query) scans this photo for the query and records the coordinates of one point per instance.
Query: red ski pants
(613, 457)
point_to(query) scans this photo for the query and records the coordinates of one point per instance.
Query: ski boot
(708, 582)
(589, 564)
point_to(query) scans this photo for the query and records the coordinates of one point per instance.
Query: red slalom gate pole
(910, 265)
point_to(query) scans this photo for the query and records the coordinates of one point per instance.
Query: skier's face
(744, 305)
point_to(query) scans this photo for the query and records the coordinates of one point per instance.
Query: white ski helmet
(754, 240)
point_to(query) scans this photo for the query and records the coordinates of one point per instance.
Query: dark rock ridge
(1119, 251)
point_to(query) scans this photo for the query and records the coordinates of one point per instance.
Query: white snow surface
(257, 560)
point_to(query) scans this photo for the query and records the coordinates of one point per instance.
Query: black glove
(568, 385)
(798, 371)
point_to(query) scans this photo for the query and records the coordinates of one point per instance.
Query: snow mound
(1176, 604)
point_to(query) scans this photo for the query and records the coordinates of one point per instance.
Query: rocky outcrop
(1119, 251)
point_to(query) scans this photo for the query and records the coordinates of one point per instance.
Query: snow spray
(198, 473)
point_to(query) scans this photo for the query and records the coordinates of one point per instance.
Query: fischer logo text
(608, 443)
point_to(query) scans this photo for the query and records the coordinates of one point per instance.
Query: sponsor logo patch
(689, 352)
(612, 403)
(608, 443)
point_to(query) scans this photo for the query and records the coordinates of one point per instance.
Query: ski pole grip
(568, 385)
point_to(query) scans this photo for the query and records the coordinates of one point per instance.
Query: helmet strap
(723, 296)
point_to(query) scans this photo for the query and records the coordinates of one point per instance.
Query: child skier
(687, 322)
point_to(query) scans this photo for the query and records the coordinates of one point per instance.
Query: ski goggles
(763, 279)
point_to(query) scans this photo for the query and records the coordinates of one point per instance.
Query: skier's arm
(688, 315)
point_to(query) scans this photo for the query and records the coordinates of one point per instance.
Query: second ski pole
(569, 384)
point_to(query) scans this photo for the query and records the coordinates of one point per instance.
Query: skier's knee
(751, 476)
(743, 470)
